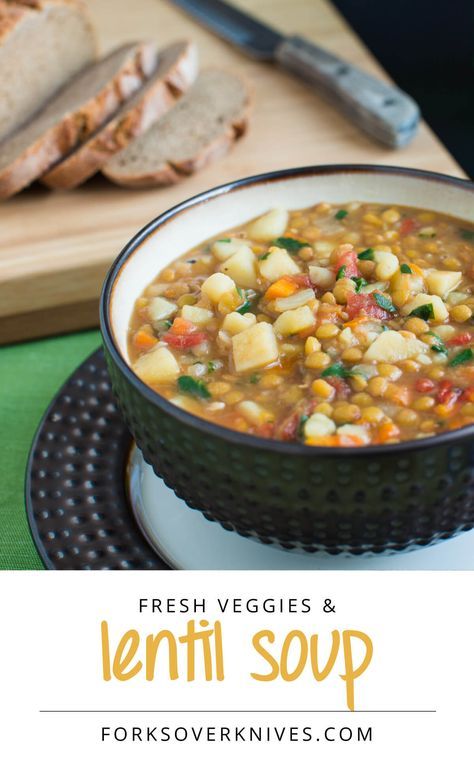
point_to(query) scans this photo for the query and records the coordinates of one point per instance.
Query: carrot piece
(356, 322)
(401, 394)
(284, 287)
(387, 431)
(182, 327)
(350, 440)
(144, 341)
(334, 440)
(331, 440)
(415, 269)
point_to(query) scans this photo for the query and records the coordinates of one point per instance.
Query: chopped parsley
(341, 272)
(254, 379)
(359, 282)
(248, 297)
(211, 367)
(337, 369)
(167, 324)
(245, 308)
(191, 386)
(461, 357)
(438, 345)
(423, 311)
(292, 245)
(301, 423)
(341, 214)
(384, 302)
(467, 235)
(405, 268)
(264, 256)
(367, 254)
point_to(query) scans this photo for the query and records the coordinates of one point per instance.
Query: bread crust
(13, 12)
(172, 172)
(157, 98)
(76, 126)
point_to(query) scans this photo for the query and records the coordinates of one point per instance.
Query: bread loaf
(80, 108)
(177, 69)
(200, 128)
(43, 43)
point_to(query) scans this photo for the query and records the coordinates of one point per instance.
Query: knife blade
(258, 40)
(380, 109)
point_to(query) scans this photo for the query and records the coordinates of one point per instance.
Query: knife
(381, 110)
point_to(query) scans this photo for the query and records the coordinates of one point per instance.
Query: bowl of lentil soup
(292, 353)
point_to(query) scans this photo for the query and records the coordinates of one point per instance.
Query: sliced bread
(200, 128)
(43, 43)
(177, 70)
(83, 105)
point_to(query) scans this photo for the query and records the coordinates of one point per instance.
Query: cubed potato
(216, 286)
(440, 310)
(354, 430)
(441, 282)
(323, 277)
(386, 264)
(347, 338)
(277, 264)
(293, 321)
(322, 249)
(224, 248)
(186, 402)
(254, 413)
(159, 366)
(242, 268)
(255, 347)
(197, 315)
(160, 308)
(234, 323)
(457, 298)
(391, 346)
(269, 226)
(411, 282)
(319, 425)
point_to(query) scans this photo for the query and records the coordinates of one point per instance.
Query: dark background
(428, 49)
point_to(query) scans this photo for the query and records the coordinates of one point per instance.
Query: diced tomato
(342, 388)
(183, 341)
(448, 394)
(468, 394)
(348, 260)
(265, 430)
(182, 327)
(407, 226)
(303, 280)
(366, 304)
(424, 385)
(289, 427)
(460, 340)
(184, 334)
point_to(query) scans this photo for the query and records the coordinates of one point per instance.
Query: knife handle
(382, 110)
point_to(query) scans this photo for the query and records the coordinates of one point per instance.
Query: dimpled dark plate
(76, 503)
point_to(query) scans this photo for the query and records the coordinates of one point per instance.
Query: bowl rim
(230, 435)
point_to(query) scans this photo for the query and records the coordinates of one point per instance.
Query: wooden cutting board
(55, 248)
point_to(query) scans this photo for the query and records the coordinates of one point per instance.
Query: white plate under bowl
(188, 541)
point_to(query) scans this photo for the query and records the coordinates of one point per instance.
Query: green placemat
(30, 375)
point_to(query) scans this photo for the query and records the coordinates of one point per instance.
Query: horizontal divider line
(199, 710)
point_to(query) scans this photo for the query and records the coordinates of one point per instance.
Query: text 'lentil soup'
(334, 325)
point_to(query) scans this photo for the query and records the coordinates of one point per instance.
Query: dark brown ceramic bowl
(376, 498)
